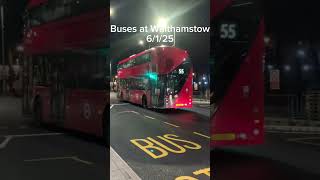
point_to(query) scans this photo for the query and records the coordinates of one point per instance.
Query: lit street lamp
(287, 68)
(163, 22)
(141, 42)
(111, 11)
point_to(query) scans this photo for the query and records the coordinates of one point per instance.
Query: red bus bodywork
(239, 116)
(84, 33)
(164, 60)
(70, 34)
(35, 3)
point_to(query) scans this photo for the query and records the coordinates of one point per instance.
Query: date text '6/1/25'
(160, 38)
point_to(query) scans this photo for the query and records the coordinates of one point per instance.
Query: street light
(267, 40)
(306, 67)
(287, 68)
(162, 22)
(301, 53)
(141, 42)
(111, 11)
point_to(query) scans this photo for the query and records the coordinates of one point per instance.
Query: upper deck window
(136, 61)
(58, 9)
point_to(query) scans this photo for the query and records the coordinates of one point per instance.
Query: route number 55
(228, 31)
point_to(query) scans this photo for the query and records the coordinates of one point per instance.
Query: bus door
(154, 83)
(57, 92)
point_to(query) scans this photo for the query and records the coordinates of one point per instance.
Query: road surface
(35, 153)
(285, 155)
(161, 144)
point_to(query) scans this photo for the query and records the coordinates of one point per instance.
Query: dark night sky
(293, 19)
(13, 21)
(179, 13)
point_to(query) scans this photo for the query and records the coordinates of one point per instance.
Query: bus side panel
(45, 98)
(136, 96)
(239, 118)
(84, 111)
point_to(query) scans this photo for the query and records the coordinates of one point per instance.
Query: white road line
(112, 105)
(123, 112)
(122, 104)
(149, 117)
(5, 142)
(171, 124)
(119, 168)
(202, 135)
(35, 135)
(242, 4)
(75, 158)
(9, 137)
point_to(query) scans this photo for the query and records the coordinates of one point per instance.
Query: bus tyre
(37, 112)
(144, 102)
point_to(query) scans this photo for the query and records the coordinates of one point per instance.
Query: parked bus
(65, 68)
(237, 50)
(160, 77)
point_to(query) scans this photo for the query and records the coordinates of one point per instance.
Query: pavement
(281, 124)
(160, 144)
(119, 169)
(37, 153)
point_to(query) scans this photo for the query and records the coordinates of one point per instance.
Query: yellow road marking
(201, 135)
(171, 124)
(224, 137)
(160, 149)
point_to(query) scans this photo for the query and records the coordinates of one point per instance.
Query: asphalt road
(292, 156)
(155, 144)
(36, 153)
(161, 144)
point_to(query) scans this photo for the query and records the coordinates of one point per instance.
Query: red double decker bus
(65, 68)
(160, 77)
(237, 83)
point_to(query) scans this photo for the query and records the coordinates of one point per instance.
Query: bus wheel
(144, 102)
(37, 112)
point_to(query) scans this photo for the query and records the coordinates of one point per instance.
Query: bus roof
(217, 6)
(34, 3)
(144, 52)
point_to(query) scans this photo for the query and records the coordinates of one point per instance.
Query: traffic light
(152, 75)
